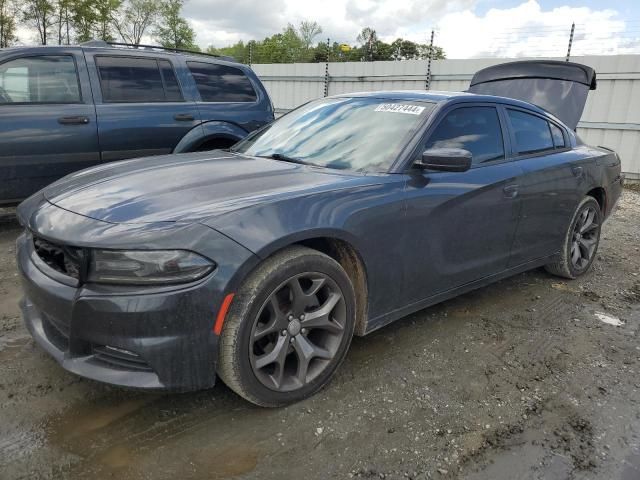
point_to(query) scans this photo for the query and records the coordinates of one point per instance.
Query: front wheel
(580, 242)
(288, 329)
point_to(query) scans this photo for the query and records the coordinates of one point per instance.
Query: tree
(308, 31)
(172, 30)
(64, 21)
(368, 38)
(135, 19)
(8, 12)
(41, 15)
(105, 12)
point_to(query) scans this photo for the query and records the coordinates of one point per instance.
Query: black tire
(237, 358)
(565, 265)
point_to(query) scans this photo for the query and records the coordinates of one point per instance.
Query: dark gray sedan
(260, 263)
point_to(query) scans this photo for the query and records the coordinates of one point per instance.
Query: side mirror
(445, 160)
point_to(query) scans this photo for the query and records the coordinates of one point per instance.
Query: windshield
(363, 134)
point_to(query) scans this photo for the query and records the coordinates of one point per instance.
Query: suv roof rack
(102, 43)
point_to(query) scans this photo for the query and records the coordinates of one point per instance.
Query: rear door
(47, 120)
(549, 187)
(461, 224)
(141, 106)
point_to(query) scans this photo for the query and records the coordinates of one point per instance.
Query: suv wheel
(581, 241)
(288, 329)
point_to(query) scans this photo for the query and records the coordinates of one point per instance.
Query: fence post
(428, 82)
(250, 53)
(326, 71)
(573, 28)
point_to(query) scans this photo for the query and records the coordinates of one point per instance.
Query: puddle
(227, 462)
(609, 319)
(83, 421)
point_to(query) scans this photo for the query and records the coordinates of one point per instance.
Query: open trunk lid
(560, 88)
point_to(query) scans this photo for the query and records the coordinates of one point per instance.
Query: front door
(142, 108)
(47, 121)
(461, 224)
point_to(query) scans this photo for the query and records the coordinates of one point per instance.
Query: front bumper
(142, 337)
(152, 341)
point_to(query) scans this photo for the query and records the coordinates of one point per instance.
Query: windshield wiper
(285, 158)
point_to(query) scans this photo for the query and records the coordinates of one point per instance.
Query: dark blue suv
(64, 108)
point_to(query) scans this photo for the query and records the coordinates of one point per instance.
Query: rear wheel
(288, 329)
(581, 241)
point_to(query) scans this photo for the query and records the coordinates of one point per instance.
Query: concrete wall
(611, 117)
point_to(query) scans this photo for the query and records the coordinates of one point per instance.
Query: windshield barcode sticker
(399, 108)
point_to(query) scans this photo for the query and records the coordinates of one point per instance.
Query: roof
(119, 47)
(438, 97)
(416, 95)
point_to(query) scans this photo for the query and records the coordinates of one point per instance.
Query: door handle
(183, 117)
(79, 120)
(577, 171)
(510, 191)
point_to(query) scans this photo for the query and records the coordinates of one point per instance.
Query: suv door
(461, 224)
(48, 120)
(141, 106)
(549, 187)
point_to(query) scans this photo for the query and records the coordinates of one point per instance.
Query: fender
(209, 131)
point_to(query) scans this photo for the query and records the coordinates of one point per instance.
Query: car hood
(186, 188)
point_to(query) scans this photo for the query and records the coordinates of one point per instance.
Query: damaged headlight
(147, 267)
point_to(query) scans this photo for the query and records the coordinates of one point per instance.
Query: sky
(464, 28)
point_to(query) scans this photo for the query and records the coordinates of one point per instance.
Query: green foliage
(41, 15)
(173, 31)
(295, 45)
(135, 18)
(8, 13)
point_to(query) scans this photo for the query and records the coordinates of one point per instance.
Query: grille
(120, 358)
(63, 259)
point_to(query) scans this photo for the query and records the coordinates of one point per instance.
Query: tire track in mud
(528, 343)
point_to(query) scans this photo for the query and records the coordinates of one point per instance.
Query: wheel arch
(225, 133)
(600, 195)
(338, 245)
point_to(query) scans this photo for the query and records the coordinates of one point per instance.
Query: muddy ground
(519, 380)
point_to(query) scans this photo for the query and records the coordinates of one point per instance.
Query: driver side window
(40, 79)
(476, 129)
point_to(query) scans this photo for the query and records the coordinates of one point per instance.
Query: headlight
(147, 267)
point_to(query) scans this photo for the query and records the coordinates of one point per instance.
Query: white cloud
(523, 30)
(527, 30)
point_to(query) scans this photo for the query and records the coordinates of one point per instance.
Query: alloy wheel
(298, 331)
(585, 238)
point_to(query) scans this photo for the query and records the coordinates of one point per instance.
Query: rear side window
(137, 80)
(42, 79)
(476, 129)
(532, 132)
(221, 83)
(558, 137)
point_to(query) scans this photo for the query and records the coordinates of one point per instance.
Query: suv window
(532, 132)
(42, 79)
(221, 83)
(131, 79)
(476, 129)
